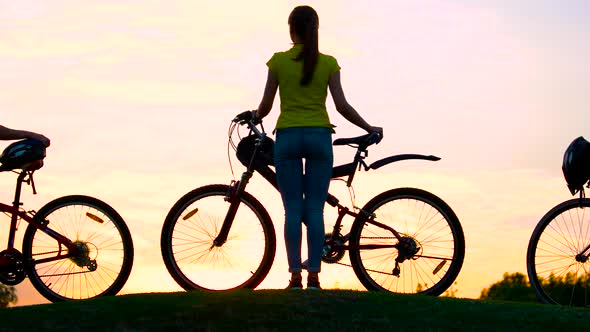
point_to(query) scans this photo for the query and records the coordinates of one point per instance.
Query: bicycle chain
(379, 237)
(374, 238)
(64, 274)
(368, 270)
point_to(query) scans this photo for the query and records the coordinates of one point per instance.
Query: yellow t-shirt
(302, 105)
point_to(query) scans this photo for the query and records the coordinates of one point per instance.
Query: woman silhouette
(303, 133)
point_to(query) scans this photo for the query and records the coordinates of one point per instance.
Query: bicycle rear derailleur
(406, 249)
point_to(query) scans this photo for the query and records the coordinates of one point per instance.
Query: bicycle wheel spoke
(569, 239)
(429, 252)
(555, 270)
(103, 255)
(188, 249)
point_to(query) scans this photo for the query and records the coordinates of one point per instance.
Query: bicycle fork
(236, 188)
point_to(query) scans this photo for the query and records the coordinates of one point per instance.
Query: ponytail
(304, 21)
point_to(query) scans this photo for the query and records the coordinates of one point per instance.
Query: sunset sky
(137, 96)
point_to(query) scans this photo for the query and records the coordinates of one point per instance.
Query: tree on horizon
(512, 287)
(7, 296)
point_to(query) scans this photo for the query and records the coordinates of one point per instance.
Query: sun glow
(137, 98)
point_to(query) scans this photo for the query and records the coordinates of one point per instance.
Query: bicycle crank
(332, 252)
(12, 268)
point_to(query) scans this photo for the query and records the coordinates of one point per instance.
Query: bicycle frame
(238, 187)
(17, 213)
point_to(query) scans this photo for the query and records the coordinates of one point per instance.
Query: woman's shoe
(313, 283)
(295, 283)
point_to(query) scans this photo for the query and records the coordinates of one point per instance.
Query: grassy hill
(278, 310)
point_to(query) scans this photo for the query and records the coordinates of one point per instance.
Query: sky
(137, 96)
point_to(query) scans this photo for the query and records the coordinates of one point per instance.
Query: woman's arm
(270, 90)
(344, 108)
(12, 134)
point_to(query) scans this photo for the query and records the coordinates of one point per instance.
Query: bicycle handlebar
(364, 141)
(246, 116)
(374, 138)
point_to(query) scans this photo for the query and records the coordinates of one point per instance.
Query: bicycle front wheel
(434, 243)
(105, 250)
(557, 256)
(192, 225)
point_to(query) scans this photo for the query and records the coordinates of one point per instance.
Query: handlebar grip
(374, 138)
(247, 116)
(244, 116)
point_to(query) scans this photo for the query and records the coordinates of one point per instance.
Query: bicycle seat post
(19, 184)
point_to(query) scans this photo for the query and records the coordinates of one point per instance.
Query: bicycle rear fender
(400, 157)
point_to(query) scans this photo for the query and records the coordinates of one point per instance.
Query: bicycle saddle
(365, 140)
(352, 140)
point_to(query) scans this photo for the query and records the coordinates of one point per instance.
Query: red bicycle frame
(17, 213)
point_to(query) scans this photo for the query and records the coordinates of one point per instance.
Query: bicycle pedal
(396, 270)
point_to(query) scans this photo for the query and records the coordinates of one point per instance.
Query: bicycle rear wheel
(106, 250)
(557, 267)
(192, 225)
(424, 221)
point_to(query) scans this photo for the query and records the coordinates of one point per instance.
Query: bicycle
(219, 237)
(75, 247)
(558, 252)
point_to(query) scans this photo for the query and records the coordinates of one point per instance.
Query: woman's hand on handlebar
(376, 134)
(247, 116)
(256, 119)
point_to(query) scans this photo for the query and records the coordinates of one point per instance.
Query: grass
(278, 310)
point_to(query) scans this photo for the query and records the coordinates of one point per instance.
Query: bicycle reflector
(21, 153)
(576, 164)
(95, 218)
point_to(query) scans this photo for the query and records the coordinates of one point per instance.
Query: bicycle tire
(192, 225)
(427, 272)
(553, 271)
(102, 235)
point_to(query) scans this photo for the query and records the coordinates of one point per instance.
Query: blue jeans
(304, 193)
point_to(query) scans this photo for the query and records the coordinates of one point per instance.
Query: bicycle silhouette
(558, 253)
(74, 247)
(220, 237)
